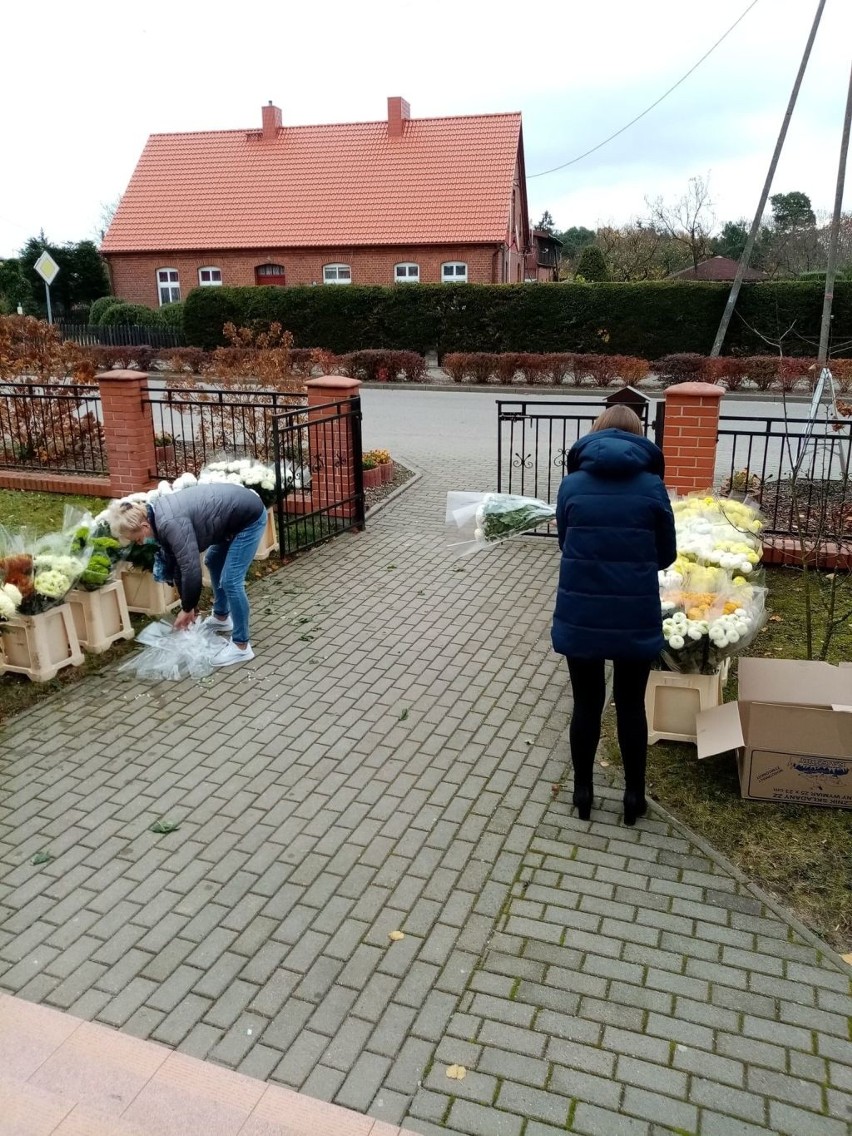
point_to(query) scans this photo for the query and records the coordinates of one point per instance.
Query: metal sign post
(48, 270)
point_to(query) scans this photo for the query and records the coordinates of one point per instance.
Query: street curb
(575, 392)
(400, 489)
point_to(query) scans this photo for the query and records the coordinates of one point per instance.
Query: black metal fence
(320, 482)
(51, 427)
(194, 426)
(534, 438)
(121, 335)
(798, 470)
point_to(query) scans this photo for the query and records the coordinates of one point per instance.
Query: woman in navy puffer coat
(616, 531)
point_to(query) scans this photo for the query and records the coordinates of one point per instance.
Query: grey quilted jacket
(186, 523)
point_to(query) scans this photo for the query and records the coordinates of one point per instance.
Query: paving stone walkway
(386, 764)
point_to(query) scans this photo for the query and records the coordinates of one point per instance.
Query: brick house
(402, 201)
(542, 263)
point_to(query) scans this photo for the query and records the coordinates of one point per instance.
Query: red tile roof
(717, 268)
(446, 180)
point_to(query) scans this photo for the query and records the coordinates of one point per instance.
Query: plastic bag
(707, 617)
(172, 655)
(482, 520)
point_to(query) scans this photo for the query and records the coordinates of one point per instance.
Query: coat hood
(615, 454)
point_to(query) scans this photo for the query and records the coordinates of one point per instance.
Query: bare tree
(690, 220)
(639, 251)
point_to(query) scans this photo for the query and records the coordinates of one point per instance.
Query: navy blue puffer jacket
(616, 530)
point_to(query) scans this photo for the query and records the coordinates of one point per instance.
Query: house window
(454, 272)
(168, 285)
(336, 274)
(270, 275)
(407, 273)
(209, 277)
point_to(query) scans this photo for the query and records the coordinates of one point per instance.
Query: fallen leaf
(605, 765)
(403, 715)
(775, 619)
(847, 958)
(164, 826)
(395, 936)
(457, 1072)
(41, 858)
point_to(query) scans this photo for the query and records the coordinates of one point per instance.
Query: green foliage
(592, 265)
(15, 288)
(648, 319)
(82, 275)
(172, 314)
(791, 211)
(131, 314)
(575, 239)
(101, 306)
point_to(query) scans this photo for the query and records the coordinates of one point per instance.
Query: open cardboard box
(792, 730)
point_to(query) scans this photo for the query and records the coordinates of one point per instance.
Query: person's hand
(184, 620)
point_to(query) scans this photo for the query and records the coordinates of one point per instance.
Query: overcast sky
(84, 84)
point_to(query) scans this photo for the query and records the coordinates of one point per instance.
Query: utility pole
(767, 185)
(831, 266)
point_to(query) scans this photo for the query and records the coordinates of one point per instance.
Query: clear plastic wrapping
(481, 520)
(173, 655)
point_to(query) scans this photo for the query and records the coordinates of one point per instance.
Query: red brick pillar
(689, 435)
(128, 431)
(335, 464)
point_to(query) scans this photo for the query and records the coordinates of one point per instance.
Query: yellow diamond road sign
(46, 267)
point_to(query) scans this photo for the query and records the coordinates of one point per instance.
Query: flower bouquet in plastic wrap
(481, 520)
(41, 570)
(93, 542)
(252, 474)
(718, 532)
(708, 616)
(171, 655)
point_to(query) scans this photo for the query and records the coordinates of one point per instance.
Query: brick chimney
(271, 121)
(399, 112)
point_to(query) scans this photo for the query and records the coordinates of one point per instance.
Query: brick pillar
(128, 431)
(689, 435)
(335, 464)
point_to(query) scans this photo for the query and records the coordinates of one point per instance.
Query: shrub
(728, 369)
(533, 369)
(592, 264)
(841, 369)
(481, 367)
(384, 366)
(600, 369)
(101, 305)
(132, 315)
(506, 366)
(762, 370)
(455, 364)
(172, 314)
(558, 368)
(681, 367)
(179, 359)
(791, 371)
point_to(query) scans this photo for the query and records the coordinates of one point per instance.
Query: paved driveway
(386, 764)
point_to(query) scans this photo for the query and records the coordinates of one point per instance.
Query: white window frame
(331, 273)
(455, 277)
(214, 281)
(168, 281)
(406, 277)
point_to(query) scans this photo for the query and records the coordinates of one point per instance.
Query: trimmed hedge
(131, 314)
(101, 305)
(647, 319)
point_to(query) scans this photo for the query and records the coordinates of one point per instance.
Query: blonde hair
(619, 418)
(126, 518)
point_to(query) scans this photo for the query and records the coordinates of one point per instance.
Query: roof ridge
(334, 125)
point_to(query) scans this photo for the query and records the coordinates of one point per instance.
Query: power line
(647, 110)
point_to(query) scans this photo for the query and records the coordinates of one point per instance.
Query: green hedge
(644, 319)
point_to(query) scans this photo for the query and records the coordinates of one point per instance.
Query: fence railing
(320, 482)
(761, 455)
(121, 335)
(196, 426)
(534, 437)
(51, 427)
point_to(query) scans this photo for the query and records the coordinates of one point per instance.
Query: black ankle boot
(635, 806)
(583, 801)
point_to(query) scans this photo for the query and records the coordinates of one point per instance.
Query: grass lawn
(801, 855)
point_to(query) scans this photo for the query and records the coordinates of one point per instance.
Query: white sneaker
(230, 653)
(214, 623)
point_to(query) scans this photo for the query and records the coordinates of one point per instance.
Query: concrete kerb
(400, 489)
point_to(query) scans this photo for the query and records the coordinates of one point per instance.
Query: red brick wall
(134, 276)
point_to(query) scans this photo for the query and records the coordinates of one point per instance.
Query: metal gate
(534, 437)
(319, 479)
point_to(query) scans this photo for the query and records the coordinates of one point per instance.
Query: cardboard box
(792, 730)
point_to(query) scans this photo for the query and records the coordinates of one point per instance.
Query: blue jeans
(228, 564)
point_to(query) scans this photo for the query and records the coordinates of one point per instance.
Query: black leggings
(588, 683)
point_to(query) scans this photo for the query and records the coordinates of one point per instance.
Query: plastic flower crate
(144, 594)
(39, 646)
(269, 540)
(673, 701)
(101, 617)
